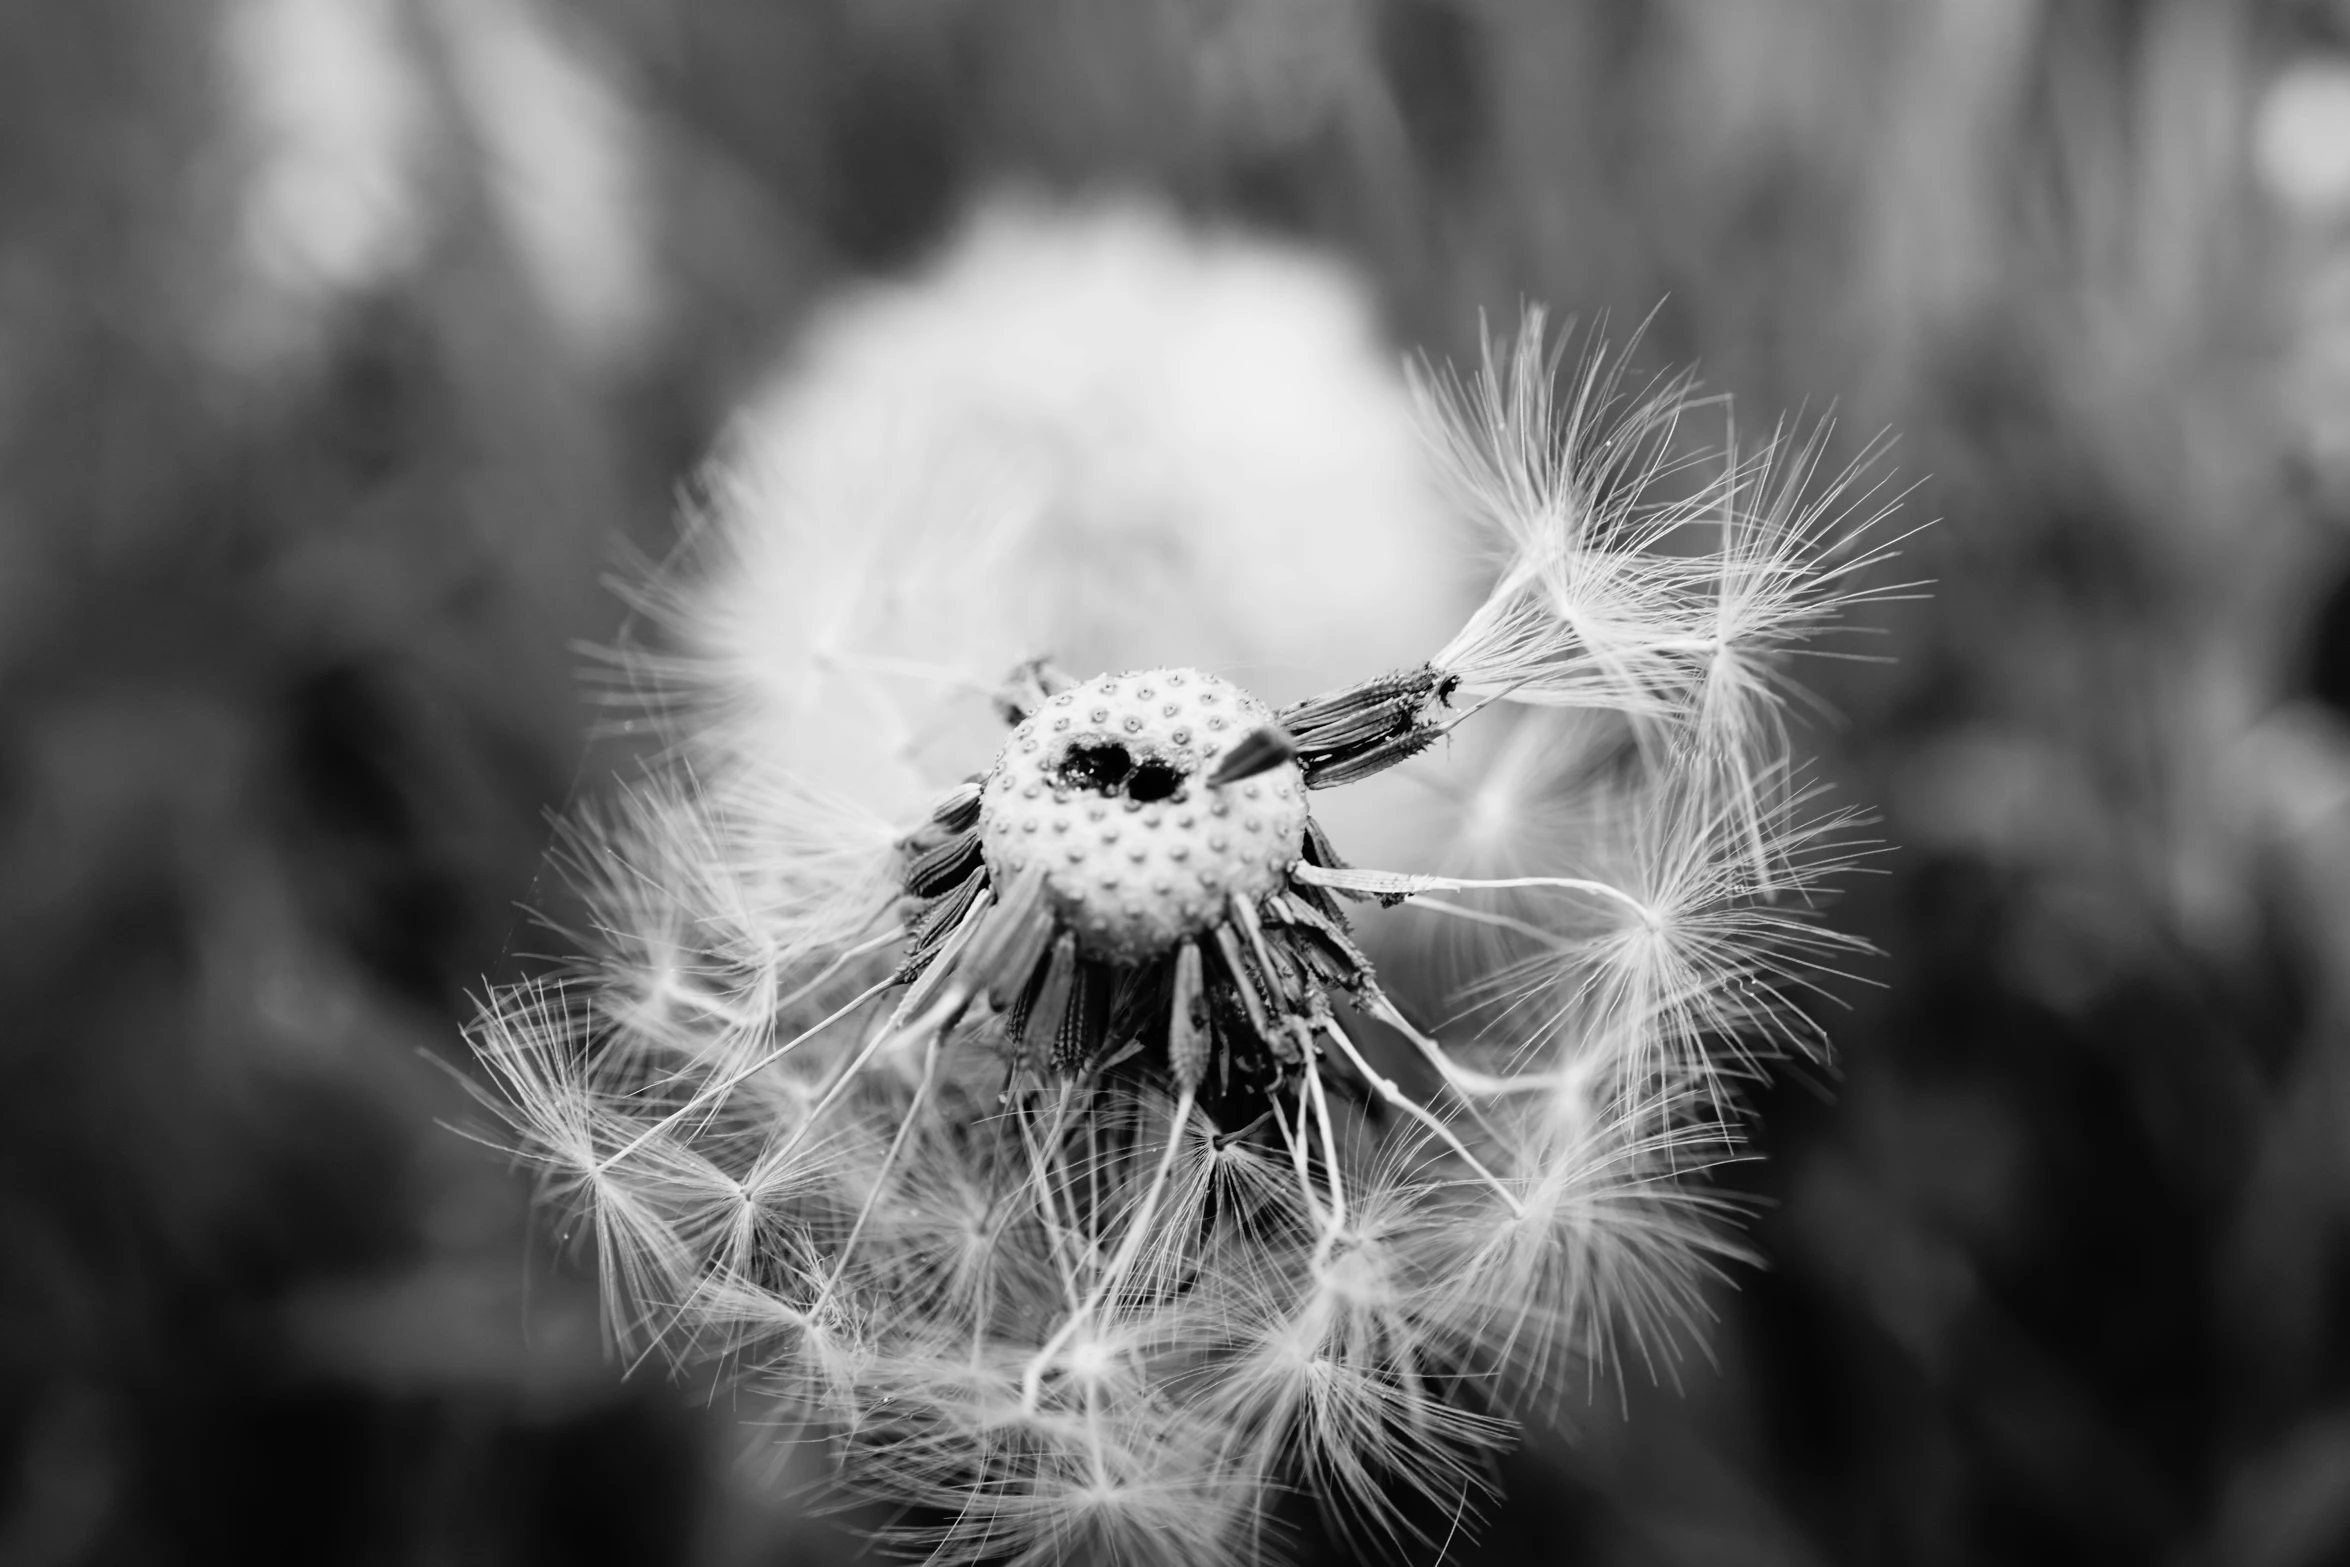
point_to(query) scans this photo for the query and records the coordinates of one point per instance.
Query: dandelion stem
(1481, 704)
(1294, 1139)
(1336, 1181)
(933, 1024)
(1395, 1096)
(871, 943)
(1528, 928)
(1402, 884)
(1062, 1236)
(897, 1146)
(709, 1096)
(1469, 1084)
(1138, 1226)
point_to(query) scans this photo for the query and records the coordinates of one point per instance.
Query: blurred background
(346, 344)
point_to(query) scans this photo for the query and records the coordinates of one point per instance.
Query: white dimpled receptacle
(1106, 787)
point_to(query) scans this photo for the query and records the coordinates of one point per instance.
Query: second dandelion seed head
(1108, 788)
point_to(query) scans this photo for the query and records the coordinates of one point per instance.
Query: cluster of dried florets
(1063, 1155)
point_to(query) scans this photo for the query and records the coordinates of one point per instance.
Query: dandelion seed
(1045, 1148)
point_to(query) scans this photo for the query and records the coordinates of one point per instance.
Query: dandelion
(1062, 1154)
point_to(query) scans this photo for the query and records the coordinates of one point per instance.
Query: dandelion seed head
(1006, 1102)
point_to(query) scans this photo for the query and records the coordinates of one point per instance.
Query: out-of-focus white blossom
(1096, 435)
(335, 119)
(565, 163)
(358, 126)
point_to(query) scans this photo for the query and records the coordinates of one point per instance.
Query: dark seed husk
(932, 869)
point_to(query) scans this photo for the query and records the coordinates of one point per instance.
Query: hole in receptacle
(1154, 781)
(1100, 768)
(1110, 769)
